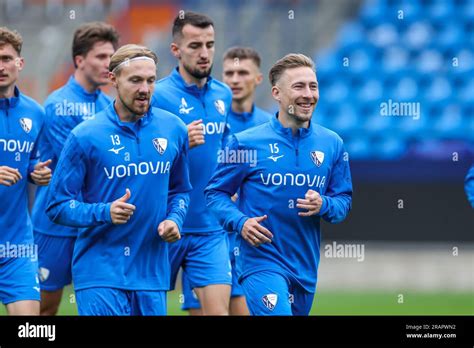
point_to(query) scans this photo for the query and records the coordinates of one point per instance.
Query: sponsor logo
(270, 301)
(116, 151)
(275, 158)
(16, 145)
(135, 169)
(317, 157)
(160, 145)
(26, 124)
(214, 127)
(183, 108)
(220, 106)
(289, 179)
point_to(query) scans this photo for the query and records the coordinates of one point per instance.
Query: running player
(79, 99)
(120, 263)
(241, 72)
(203, 104)
(21, 121)
(301, 175)
(469, 185)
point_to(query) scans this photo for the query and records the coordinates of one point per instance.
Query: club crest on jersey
(26, 124)
(43, 273)
(270, 301)
(160, 145)
(317, 157)
(220, 106)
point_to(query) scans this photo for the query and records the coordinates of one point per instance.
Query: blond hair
(128, 52)
(11, 37)
(290, 61)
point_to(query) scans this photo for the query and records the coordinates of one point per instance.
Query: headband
(127, 61)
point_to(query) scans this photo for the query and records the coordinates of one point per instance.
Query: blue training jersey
(286, 167)
(65, 108)
(469, 185)
(101, 158)
(240, 121)
(211, 104)
(21, 122)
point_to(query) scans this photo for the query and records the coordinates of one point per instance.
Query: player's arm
(63, 205)
(179, 188)
(469, 185)
(224, 183)
(38, 172)
(337, 201)
(58, 127)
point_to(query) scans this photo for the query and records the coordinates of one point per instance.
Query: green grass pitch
(347, 303)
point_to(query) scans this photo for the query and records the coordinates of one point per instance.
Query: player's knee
(50, 302)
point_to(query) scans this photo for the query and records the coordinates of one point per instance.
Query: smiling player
(302, 175)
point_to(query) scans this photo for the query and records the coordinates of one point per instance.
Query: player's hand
(9, 176)
(254, 233)
(41, 175)
(169, 231)
(195, 133)
(312, 203)
(120, 210)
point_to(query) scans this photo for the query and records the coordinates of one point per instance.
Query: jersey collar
(286, 132)
(190, 88)
(7, 103)
(244, 115)
(113, 116)
(77, 88)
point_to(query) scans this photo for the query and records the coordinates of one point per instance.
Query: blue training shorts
(190, 299)
(112, 301)
(55, 260)
(19, 280)
(271, 293)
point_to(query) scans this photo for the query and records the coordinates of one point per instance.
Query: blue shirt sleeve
(224, 183)
(337, 200)
(179, 188)
(469, 186)
(58, 127)
(63, 206)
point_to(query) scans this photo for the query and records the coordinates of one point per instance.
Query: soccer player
(129, 167)
(79, 99)
(469, 185)
(21, 121)
(301, 175)
(203, 104)
(241, 72)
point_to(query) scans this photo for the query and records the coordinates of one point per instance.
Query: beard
(134, 109)
(196, 73)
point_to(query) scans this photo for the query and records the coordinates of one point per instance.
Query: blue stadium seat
(438, 89)
(449, 123)
(358, 147)
(345, 118)
(389, 148)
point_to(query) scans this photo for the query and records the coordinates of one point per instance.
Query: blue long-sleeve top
(21, 123)
(65, 108)
(278, 168)
(101, 158)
